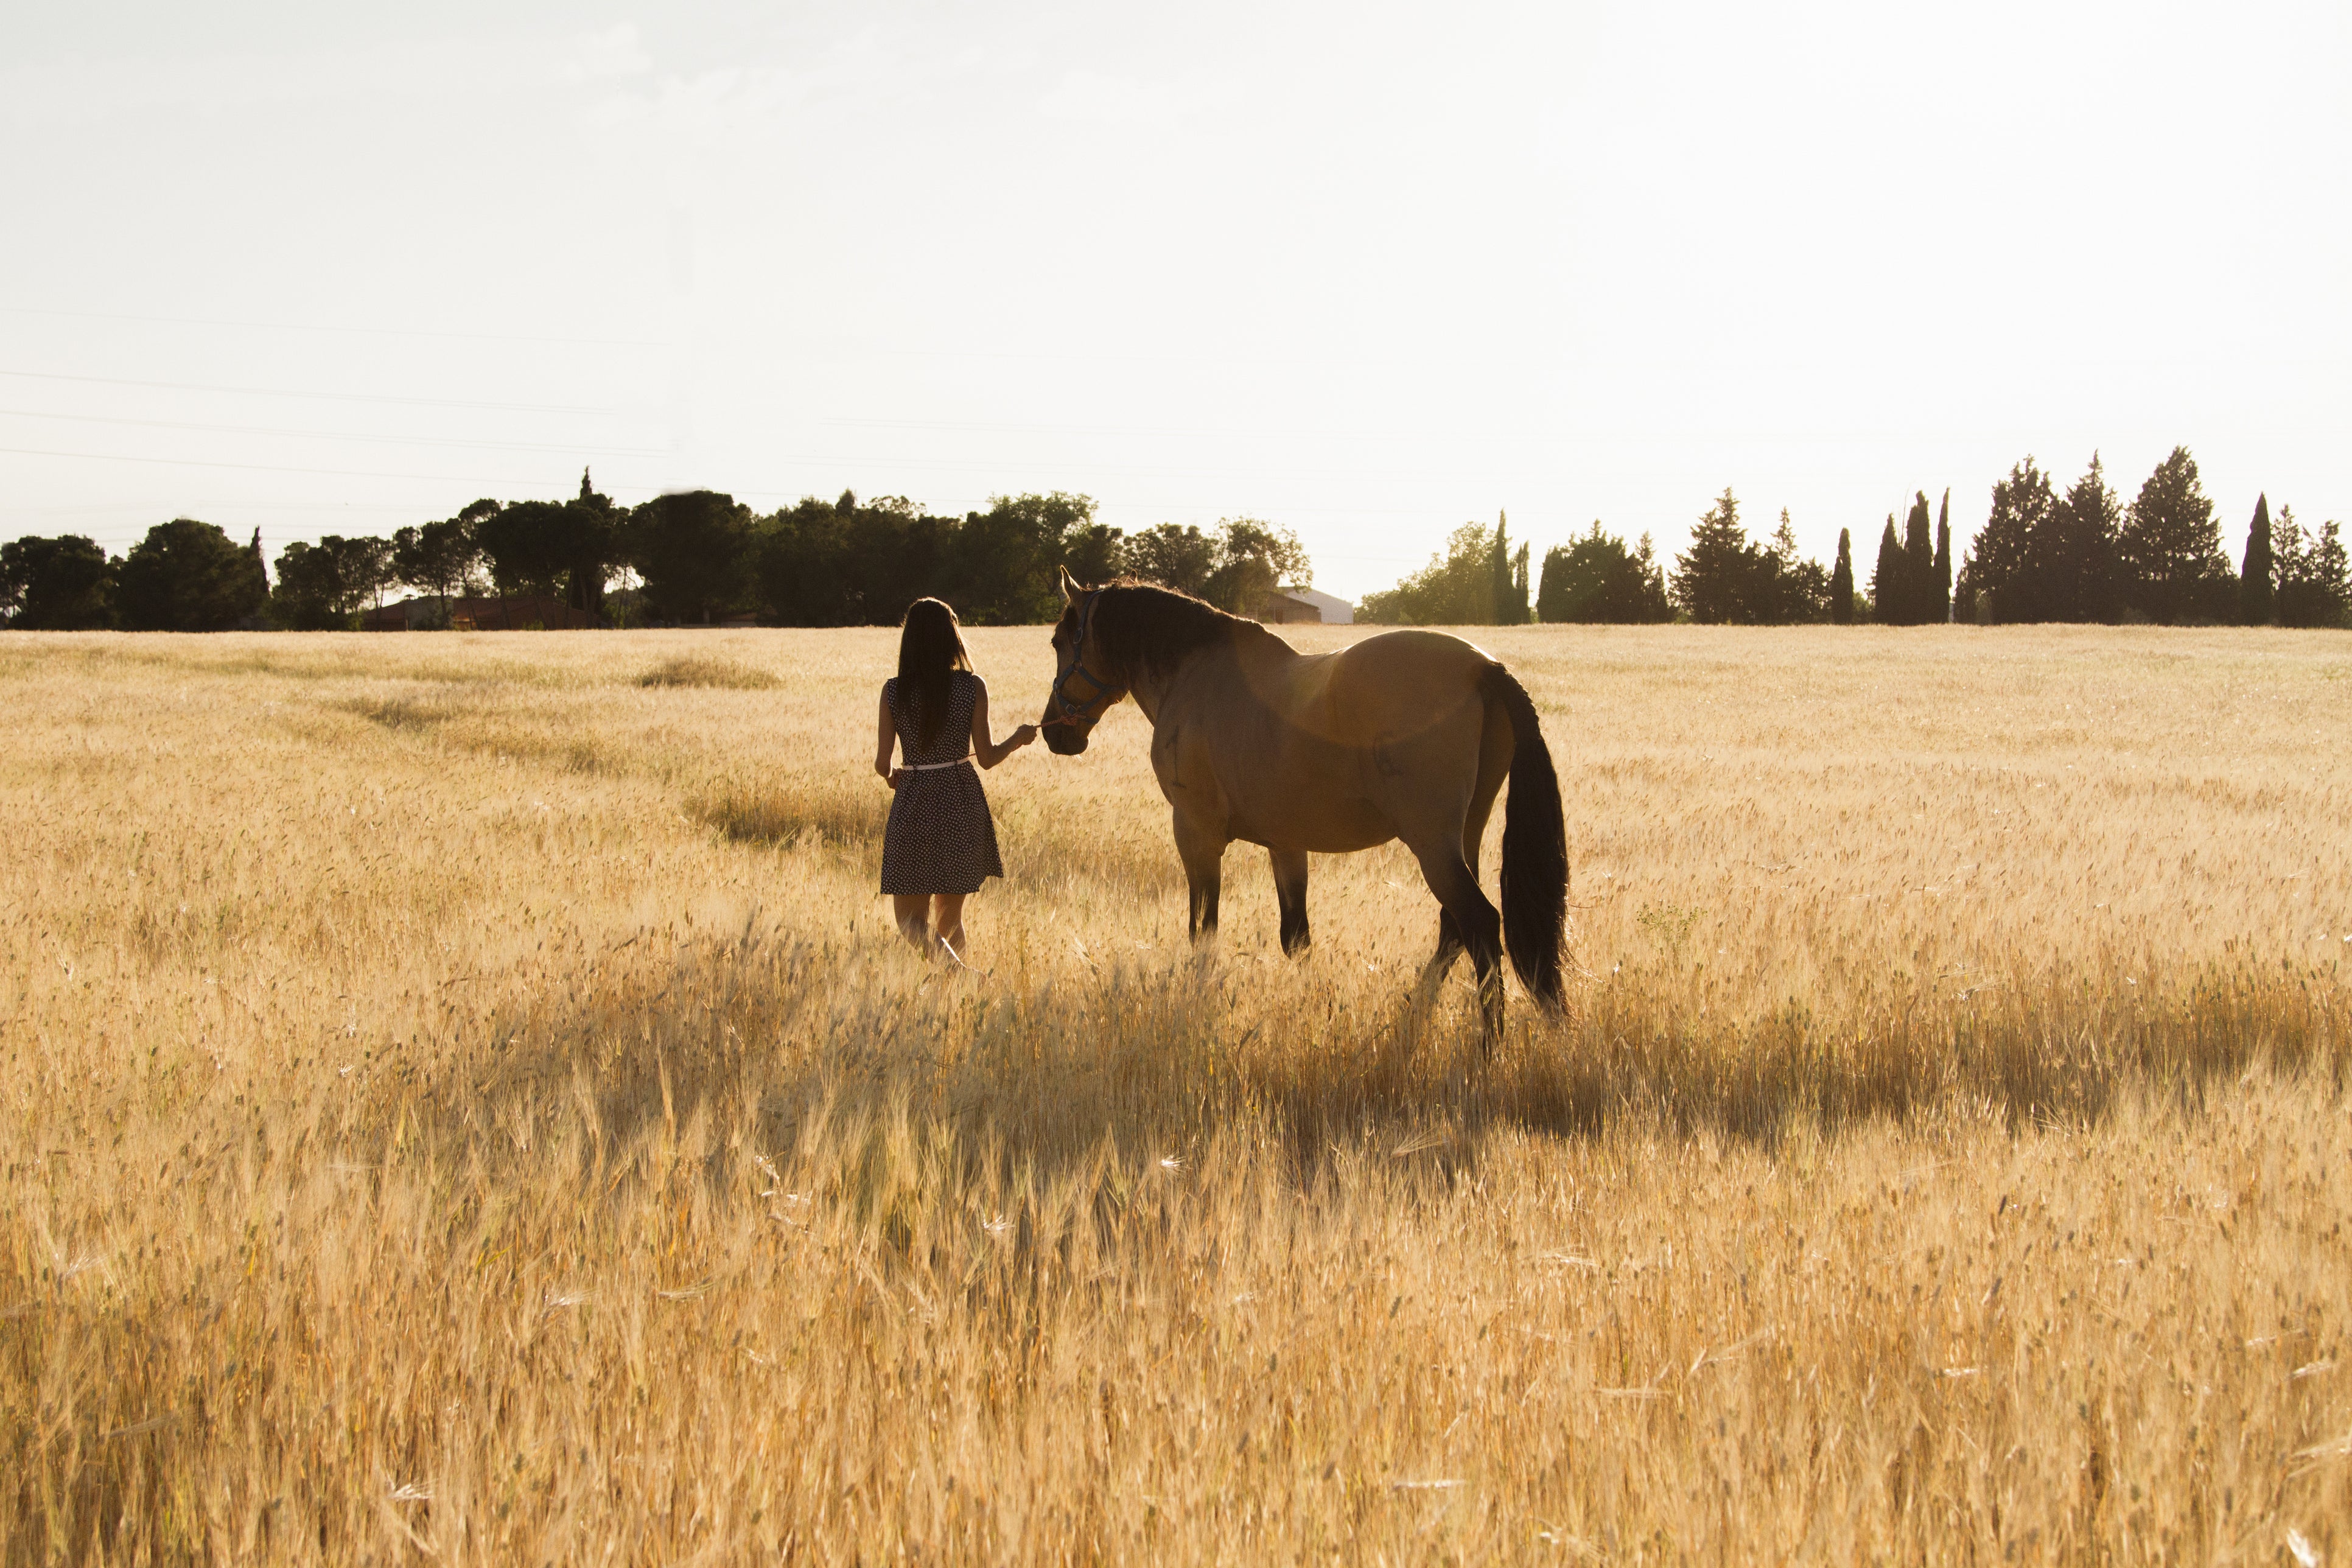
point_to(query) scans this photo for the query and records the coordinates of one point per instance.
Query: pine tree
(1996, 581)
(1919, 565)
(1886, 579)
(1711, 576)
(1522, 602)
(62, 585)
(2071, 554)
(1647, 581)
(1943, 605)
(188, 576)
(2254, 576)
(1787, 589)
(2289, 569)
(2170, 548)
(1841, 581)
(2333, 570)
(2313, 584)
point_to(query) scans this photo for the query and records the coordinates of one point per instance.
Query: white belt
(933, 767)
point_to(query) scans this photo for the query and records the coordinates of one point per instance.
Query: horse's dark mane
(1142, 629)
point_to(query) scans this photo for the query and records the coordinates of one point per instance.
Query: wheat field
(466, 1103)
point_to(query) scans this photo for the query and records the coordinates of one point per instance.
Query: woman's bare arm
(887, 738)
(986, 750)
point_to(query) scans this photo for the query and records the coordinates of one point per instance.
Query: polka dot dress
(940, 839)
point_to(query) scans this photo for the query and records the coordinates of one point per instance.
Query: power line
(334, 436)
(802, 461)
(275, 467)
(1482, 436)
(314, 327)
(109, 509)
(948, 504)
(328, 396)
(951, 503)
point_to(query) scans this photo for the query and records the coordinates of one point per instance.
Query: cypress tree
(1841, 581)
(1919, 565)
(2254, 577)
(1943, 605)
(1498, 571)
(1886, 579)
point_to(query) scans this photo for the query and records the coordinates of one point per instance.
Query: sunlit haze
(1366, 272)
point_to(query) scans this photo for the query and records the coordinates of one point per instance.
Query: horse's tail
(1535, 847)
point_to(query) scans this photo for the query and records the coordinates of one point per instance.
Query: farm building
(1285, 606)
(523, 613)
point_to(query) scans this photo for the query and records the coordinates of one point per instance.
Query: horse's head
(1080, 696)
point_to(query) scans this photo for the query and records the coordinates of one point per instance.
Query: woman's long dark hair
(929, 645)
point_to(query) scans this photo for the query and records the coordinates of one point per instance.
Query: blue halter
(1065, 711)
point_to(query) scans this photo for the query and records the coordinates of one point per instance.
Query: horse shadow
(752, 1048)
(745, 1050)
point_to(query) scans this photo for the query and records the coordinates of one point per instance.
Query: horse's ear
(1071, 587)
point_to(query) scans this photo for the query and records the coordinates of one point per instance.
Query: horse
(1405, 735)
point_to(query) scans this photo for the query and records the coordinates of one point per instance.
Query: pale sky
(1366, 271)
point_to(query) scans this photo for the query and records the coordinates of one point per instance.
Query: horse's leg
(1449, 948)
(1450, 940)
(1290, 893)
(1453, 931)
(1474, 922)
(1203, 854)
(1494, 766)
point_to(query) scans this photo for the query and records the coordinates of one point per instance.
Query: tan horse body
(1406, 735)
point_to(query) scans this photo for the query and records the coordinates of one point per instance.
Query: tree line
(701, 556)
(1479, 579)
(2083, 556)
(2040, 556)
(691, 558)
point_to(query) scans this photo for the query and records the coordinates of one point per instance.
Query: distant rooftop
(1329, 608)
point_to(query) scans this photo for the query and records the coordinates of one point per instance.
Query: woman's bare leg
(910, 909)
(948, 921)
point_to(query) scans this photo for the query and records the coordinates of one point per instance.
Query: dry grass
(465, 1104)
(729, 674)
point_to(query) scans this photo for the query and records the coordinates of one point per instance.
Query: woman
(940, 842)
